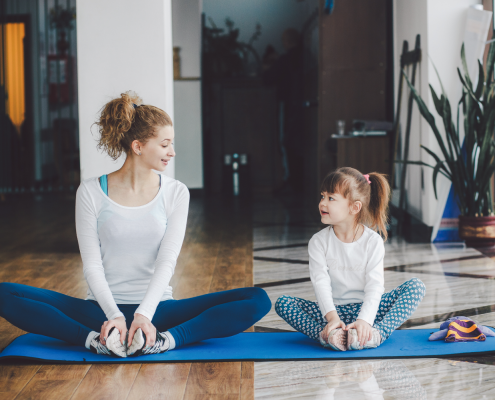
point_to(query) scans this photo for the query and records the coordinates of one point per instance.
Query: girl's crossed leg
(395, 308)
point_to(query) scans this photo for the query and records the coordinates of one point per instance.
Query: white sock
(90, 337)
(171, 340)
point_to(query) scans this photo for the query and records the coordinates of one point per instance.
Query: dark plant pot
(477, 231)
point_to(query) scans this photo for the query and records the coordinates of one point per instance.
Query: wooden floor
(38, 247)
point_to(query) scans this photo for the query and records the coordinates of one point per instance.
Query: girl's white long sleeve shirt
(129, 253)
(344, 273)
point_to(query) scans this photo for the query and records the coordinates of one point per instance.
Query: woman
(130, 227)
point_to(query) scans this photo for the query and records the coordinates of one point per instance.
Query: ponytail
(378, 205)
(125, 119)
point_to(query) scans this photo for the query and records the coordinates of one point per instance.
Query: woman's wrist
(137, 315)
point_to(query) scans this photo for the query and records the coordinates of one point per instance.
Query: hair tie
(135, 105)
(367, 178)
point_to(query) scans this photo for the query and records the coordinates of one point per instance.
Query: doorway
(38, 97)
(260, 89)
(14, 89)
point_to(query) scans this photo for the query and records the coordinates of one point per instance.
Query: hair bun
(120, 123)
(115, 120)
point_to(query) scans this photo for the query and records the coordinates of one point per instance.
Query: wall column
(186, 17)
(121, 45)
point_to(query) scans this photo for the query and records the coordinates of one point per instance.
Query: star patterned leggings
(395, 308)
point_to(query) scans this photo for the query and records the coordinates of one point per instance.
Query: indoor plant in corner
(469, 165)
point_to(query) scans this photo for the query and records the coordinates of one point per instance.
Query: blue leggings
(56, 315)
(395, 308)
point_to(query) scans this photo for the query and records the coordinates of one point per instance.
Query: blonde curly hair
(126, 119)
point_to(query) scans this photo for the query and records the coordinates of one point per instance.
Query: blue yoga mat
(250, 347)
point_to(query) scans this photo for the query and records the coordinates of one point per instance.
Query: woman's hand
(334, 322)
(364, 331)
(140, 321)
(119, 324)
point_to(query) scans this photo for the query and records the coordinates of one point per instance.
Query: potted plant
(224, 55)
(469, 165)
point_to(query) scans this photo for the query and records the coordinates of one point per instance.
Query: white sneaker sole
(114, 345)
(137, 342)
(337, 340)
(353, 343)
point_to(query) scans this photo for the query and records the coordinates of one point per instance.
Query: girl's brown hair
(126, 119)
(353, 185)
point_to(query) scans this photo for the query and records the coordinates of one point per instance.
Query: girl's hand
(117, 323)
(334, 322)
(140, 321)
(364, 331)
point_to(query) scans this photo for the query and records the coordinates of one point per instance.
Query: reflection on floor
(459, 281)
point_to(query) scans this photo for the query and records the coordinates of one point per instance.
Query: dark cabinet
(356, 81)
(366, 154)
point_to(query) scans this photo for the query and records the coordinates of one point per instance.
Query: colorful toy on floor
(462, 329)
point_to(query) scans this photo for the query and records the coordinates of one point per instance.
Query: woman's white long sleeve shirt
(129, 253)
(344, 273)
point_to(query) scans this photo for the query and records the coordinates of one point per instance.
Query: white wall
(410, 19)
(186, 23)
(441, 24)
(122, 45)
(188, 133)
(186, 28)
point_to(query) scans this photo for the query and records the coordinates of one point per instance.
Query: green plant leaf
(436, 101)
(465, 67)
(436, 170)
(469, 89)
(490, 62)
(423, 109)
(481, 81)
(450, 132)
(438, 76)
(437, 159)
(431, 153)
(423, 164)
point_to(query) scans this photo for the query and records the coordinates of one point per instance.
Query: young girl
(346, 269)
(130, 226)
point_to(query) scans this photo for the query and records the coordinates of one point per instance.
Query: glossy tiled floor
(459, 281)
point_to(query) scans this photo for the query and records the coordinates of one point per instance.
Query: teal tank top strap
(104, 184)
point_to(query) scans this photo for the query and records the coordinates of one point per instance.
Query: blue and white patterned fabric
(395, 308)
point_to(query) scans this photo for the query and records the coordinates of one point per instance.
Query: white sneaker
(337, 340)
(113, 346)
(138, 342)
(353, 343)
(161, 345)
(97, 347)
(137, 348)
